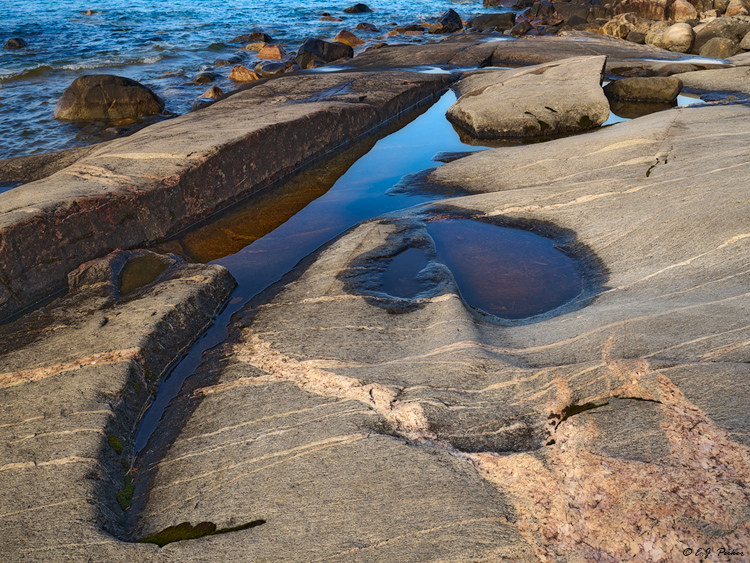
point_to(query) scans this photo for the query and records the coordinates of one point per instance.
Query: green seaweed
(648, 172)
(125, 496)
(585, 121)
(543, 125)
(83, 237)
(550, 443)
(185, 531)
(115, 444)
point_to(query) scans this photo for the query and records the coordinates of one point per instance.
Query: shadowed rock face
(103, 97)
(565, 96)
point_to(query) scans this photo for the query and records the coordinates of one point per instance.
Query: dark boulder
(357, 9)
(253, 37)
(205, 78)
(367, 27)
(449, 22)
(104, 97)
(316, 49)
(520, 29)
(504, 20)
(15, 43)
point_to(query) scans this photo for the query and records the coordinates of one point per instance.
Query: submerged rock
(650, 89)
(15, 43)
(253, 37)
(105, 97)
(358, 9)
(563, 96)
(205, 78)
(367, 27)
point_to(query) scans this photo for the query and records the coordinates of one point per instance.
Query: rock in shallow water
(564, 96)
(15, 43)
(651, 89)
(105, 97)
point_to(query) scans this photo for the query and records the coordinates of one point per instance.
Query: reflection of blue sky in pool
(509, 273)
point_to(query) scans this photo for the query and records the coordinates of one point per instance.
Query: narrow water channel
(259, 260)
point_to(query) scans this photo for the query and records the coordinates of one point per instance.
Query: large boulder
(728, 28)
(449, 22)
(737, 8)
(503, 20)
(563, 96)
(682, 10)
(15, 43)
(318, 50)
(679, 38)
(105, 97)
(650, 9)
(650, 89)
(719, 48)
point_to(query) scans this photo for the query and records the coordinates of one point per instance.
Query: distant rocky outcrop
(105, 97)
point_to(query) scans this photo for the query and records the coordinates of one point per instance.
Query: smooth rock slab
(565, 96)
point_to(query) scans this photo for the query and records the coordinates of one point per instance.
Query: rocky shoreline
(339, 423)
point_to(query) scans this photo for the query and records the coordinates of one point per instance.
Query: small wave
(26, 73)
(112, 63)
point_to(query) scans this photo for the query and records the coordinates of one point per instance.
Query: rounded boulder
(679, 38)
(644, 89)
(105, 97)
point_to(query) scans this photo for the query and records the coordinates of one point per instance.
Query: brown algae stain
(140, 271)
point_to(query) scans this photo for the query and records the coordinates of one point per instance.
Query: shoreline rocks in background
(105, 97)
(547, 99)
(316, 51)
(253, 37)
(243, 74)
(449, 22)
(358, 9)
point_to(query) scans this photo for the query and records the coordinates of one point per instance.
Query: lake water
(161, 43)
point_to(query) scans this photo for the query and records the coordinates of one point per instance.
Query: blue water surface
(162, 43)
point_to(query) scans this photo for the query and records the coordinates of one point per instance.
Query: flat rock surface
(722, 80)
(552, 98)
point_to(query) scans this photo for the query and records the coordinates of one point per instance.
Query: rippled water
(161, 43)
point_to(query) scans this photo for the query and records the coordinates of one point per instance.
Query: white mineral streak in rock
(27, 376)
(407, 418)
